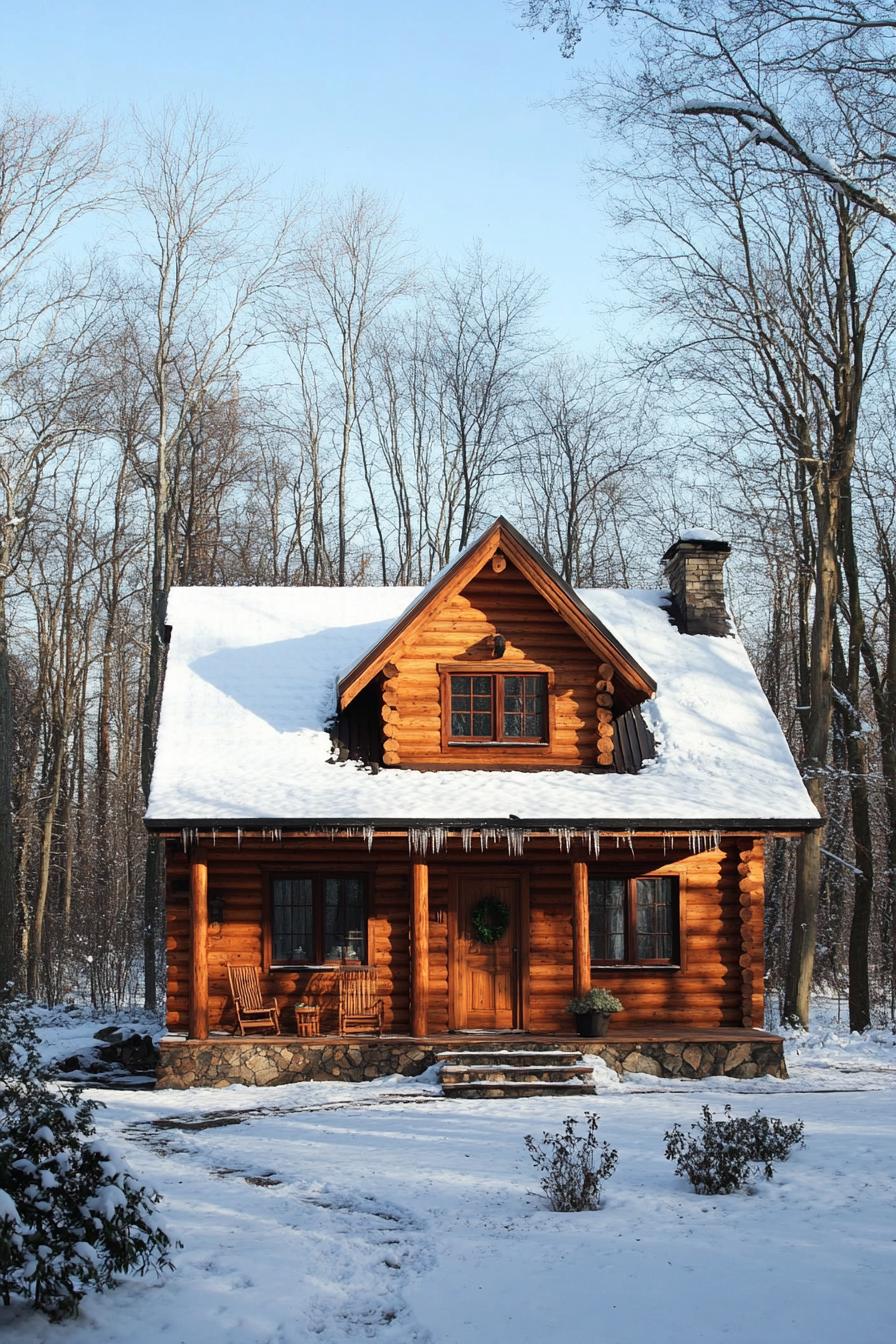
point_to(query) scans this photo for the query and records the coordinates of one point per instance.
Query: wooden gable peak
(500, 536)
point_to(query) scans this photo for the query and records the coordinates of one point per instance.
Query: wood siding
(719, 983)
(461, 631)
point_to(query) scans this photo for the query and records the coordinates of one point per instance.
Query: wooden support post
(751, 873)
(198, 1021)
(419, 948)
(581, 934)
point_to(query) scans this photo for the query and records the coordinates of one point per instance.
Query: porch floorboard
(510, 1039)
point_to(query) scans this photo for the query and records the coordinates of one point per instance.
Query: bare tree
(772, 68)
(771, 304)
(481, 343)
(354, 270)
(207, 271)
(582, 439)
(50, 175)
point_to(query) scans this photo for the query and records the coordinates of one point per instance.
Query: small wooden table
(307, 1020)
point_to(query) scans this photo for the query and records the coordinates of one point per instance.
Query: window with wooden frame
(634, 921)
(317, 919)
(506, 708)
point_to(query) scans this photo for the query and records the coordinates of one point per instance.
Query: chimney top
(700, 539)
(694, 567)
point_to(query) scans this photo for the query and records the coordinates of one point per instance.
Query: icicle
(593, 841)
(368, 836)
(466, 838)
(239, 838)
(564, 836)
(703, 841)
(486, 835)
(515, 841)
(422, 838)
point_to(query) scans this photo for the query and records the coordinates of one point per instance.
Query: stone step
(519, 1073)
(515, 1073)
(516, 1089)
(527, 1058)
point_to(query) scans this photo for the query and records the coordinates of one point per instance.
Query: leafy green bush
(72, 1217)
(573, 1165)
(719, 1156)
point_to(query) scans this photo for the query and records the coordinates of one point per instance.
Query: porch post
(198, 1021)
(581, 935)
(419, 947)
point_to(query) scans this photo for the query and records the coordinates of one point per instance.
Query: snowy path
(331, 1213)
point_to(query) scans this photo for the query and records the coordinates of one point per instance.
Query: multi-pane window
(473, 707)
(498, 707)
(633, 921)
(317, 920)
(608, 899)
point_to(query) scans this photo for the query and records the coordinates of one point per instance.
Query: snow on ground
(332, 1212)
(70, 1029)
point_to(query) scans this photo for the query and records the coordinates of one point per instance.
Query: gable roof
(249, 689)
(634, 682)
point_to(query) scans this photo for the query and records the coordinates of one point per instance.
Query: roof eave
(608, 825)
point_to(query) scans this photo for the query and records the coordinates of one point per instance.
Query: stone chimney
(694, 566)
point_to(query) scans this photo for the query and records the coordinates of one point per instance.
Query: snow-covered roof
(251, 682)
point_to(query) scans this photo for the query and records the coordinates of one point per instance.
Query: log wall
(494, 603)
(719, 983)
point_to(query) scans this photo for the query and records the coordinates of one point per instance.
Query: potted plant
(593, 1011)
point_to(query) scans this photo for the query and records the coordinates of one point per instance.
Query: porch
(218, 1060)
(696, 970)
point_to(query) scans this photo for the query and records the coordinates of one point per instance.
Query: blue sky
(438, 104)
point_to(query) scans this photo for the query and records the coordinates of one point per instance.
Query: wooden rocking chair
(359, 1007)
(251, 1009)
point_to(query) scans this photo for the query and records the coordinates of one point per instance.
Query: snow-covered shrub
(573, 1165)
(595, 1001)
(719, 1156)
(72, 1217)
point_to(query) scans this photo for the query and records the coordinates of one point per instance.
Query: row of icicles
(434, 839)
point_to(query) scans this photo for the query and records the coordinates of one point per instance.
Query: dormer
(495, 664)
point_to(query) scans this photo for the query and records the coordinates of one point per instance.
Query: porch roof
(251, 683)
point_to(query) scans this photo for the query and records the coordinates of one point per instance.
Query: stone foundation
(269, 1061)
(695, 1059)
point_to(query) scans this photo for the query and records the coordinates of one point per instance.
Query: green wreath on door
(490, 919)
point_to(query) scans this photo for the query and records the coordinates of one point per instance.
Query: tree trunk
(9, 971)
(801, 959)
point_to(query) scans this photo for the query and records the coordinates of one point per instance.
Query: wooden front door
(485, 977)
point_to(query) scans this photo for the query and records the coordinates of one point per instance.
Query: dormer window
(497, 707)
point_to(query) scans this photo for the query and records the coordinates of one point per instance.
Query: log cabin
(497, 791)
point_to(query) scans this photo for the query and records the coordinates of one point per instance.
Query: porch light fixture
(499, 644)
(216, 909)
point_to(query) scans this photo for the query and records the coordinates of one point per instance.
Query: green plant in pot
(593, 1011)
